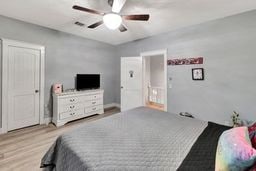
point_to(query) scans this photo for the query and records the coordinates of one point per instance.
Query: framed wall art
(197, 74)
(186, 61)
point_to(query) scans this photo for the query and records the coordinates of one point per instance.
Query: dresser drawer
(93, 103)
(79, 99)
(94, 108)
(92, 97)
(70, 100)
(71, 114)
(70, 107)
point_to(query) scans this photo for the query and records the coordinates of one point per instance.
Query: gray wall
(157, 71)
(67, 55)
(229, 48)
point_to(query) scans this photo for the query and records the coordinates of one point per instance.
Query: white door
(131, 83)
(23, 87)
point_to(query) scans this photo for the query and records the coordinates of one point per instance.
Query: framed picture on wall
(198, 74)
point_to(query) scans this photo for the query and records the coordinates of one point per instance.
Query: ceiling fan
(113, 20)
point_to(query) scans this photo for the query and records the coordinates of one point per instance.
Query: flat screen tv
(87, 81)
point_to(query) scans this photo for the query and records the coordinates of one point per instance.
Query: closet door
(23, 87)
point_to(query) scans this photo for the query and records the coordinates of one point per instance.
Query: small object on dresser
(186, 114)
(57, 88)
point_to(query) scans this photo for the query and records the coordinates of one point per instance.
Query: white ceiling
(166, 15)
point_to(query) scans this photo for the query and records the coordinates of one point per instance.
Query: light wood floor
(155, 106)
(23, 149)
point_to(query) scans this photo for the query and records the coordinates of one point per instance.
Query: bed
(138, 139)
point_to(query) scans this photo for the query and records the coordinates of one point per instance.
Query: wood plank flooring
(22, 150)
(155, 106)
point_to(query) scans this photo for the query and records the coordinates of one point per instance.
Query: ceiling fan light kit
(113, 20)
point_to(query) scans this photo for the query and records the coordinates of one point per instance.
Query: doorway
(155, 79)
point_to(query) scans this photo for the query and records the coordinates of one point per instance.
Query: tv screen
(87, 81)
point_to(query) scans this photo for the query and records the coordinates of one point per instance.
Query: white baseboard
(47, 120)
(111, 105)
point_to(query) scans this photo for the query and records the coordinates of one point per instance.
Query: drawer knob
(93, 102)
(94, 109)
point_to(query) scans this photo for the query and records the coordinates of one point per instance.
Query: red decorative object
(186, 61)
(252, 134)
(253, 168)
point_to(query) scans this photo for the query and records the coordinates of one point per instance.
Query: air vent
(79, 24)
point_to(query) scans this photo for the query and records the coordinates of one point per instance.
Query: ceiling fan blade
(76, 7)
(122, 28)
(118, 5)
(95, 25)
(140, 17)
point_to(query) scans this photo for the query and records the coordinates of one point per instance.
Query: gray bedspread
(138, 139)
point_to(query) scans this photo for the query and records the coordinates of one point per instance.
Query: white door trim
(5, 44)
(154, 53)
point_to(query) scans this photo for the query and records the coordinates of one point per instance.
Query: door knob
(122, 87)
(36, 91)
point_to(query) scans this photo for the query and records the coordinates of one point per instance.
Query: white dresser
(75, 105)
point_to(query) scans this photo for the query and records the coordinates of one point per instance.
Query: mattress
(138, 139)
